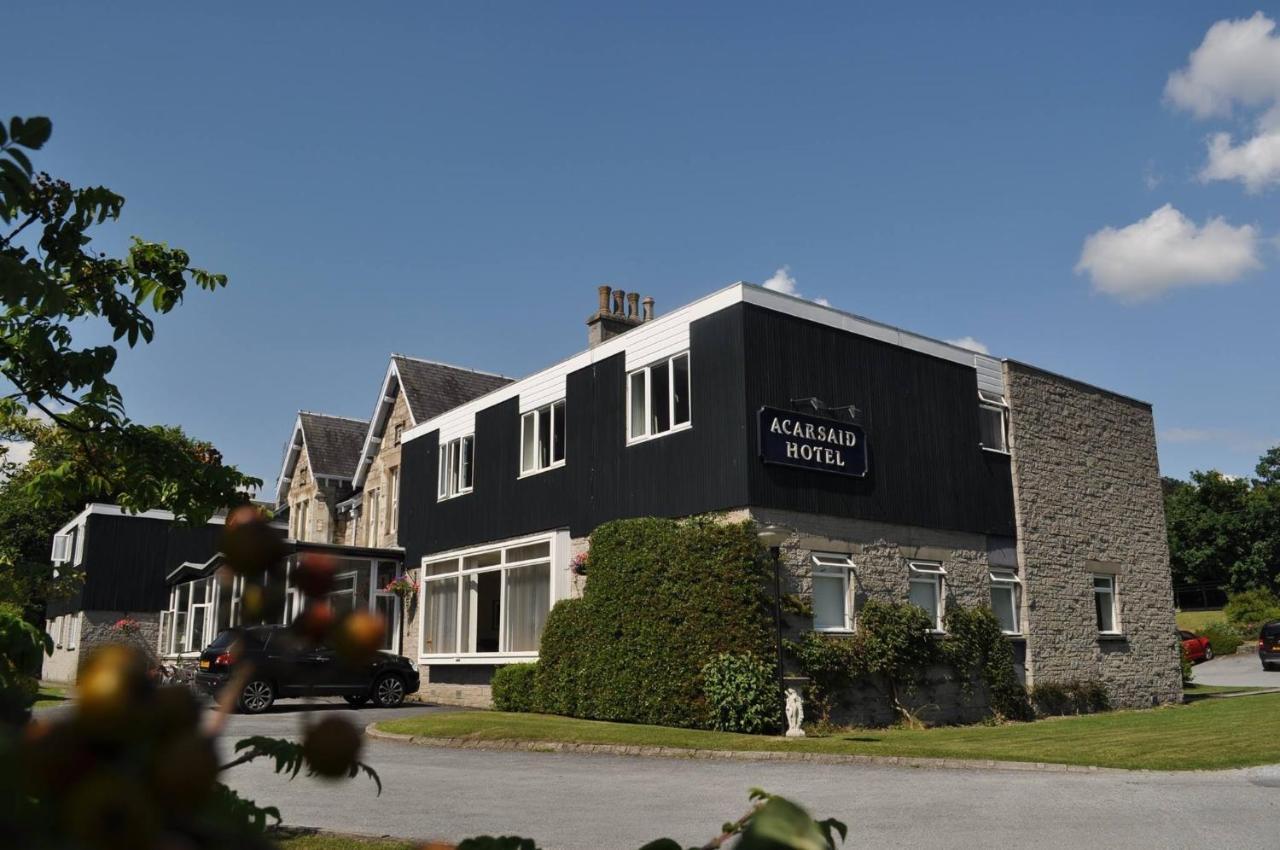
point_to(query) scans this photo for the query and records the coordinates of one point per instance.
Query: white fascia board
(297, 440)
(75, 520)
(100, 509)
(669, 334)
(378, 422)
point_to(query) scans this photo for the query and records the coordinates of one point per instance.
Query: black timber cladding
(126, 559)
(921, 415)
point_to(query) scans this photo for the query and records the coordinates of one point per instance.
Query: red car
(1197, 647)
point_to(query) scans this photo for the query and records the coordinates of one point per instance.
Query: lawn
(50, 695)
(1195, 621)
(1203, 735)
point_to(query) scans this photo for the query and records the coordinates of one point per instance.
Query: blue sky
(452, 181)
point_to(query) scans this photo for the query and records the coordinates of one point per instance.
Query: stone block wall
(378, 477)
(95, 629)
(1087, 491)
(321, 501)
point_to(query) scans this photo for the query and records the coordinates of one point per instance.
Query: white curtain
(441, 608)
(528, 600)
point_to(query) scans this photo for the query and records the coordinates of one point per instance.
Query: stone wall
(378, 478)
(98, 628)
(1088, 497)
(61, 665)
(321, 501)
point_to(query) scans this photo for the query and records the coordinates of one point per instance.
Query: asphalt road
(1243, 669)
(572, 802)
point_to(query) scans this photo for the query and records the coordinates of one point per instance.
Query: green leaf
(21, 158)
(780, 823)
(662, 844)
(32, 133)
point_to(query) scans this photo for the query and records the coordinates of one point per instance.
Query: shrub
(22, 646)
(1082, 696)
(895, 645)
(1185, 661)
(976, 647)
(1249, 609)
(1224, 639)
(662, 599)
(831, 663)
(742, 694)
(513, 687)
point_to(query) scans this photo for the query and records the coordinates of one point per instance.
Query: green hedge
(513, 687)
(662, 599)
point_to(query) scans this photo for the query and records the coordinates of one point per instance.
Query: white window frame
(837, 566)
(61, 549)
(533, 418)
(393, 520)
(1009, 579)
(447, 486)
(933, 572)
(647, 371)
(991, 401)
(1113, 591)
(556, 560)
(77, 555)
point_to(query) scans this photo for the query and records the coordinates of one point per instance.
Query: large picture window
(542, 438)
(832, 593)
(457, 459)
(1006, 600)
(188, 624)
(927, 586)
(490, 602)
(658, 398)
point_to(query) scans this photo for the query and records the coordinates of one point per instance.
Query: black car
(1269, 645)
(286, 666)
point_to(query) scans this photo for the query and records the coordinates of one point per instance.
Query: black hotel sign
(812, 442)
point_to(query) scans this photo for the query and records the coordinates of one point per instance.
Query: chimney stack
(619, 311)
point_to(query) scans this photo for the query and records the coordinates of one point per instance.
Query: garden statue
(795, 714)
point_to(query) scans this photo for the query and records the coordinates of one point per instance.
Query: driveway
(1242, 669)
(576, 802)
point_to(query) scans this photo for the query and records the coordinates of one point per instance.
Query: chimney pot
(604, 298)
(619, 298)
(648, 308)
(633, 305)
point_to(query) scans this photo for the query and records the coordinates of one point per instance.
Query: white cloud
(783, 281)
(1166, 250)
(1232, 438)
(970, 343)
(1237, 63)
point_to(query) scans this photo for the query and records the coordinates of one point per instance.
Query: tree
(50, 279)
(1224, 530)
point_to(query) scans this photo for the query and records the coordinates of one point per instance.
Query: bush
(742, 694)
(831, 663)
(663, 598)
(513, 688)
(977, 648)
(1082, 696)
(22, 646)
(1249, 609)
(1185, 661)
(1223, 637)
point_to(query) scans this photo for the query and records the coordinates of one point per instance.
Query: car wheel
(1208, 653)
(388, 691)
(357, 700)
(257, 696)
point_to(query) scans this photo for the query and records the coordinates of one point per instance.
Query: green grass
(329, 841)
(1196, 621)
(1194, 689)
(1206, 734)
(50, 695)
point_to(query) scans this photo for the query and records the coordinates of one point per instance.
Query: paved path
(575, 802)
(1243, 669)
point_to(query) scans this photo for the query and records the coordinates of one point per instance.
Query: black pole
(777, 619)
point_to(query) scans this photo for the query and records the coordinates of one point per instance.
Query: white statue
(795, 714)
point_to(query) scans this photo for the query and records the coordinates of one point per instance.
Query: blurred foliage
(22, 646)
(1225, 530)
(1249, 609)
(51, 280)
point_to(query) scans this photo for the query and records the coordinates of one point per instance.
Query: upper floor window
(542, 438)
(373, 527)
(393, 509)
(658, 398)
(1006, 600)
(993, 418)
(832, 593)
(457, 459)
(399, 432)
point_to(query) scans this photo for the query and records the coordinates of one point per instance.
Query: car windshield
(253, 638)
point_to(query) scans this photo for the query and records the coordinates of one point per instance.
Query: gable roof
(332, 444)
(429, 388)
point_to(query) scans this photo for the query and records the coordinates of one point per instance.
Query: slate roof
(432, 388)
(333, 443)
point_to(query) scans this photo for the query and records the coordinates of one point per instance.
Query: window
(399, 432)
(457, 459)
(300, 527)
(1006, 600)
(77, 545)
(490, 602)
(658, 398)
(1104, 603)
(74, 636)
(189, 624)
(342, 598)
(993, 416)
(371, 527)
(393, 518)
(61, 549)
(926, 589)
(542, 438)
(832, 591)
